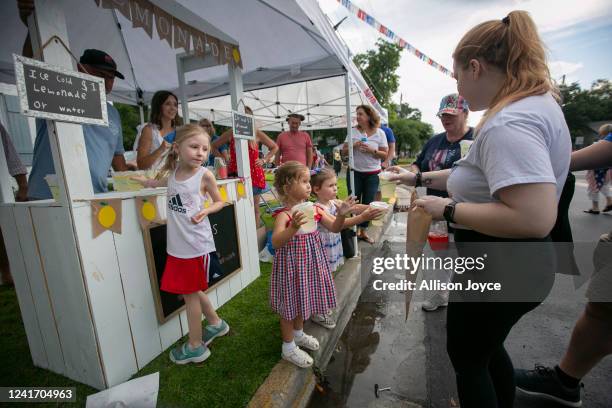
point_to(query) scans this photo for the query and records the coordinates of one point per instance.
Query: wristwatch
(449, 211)
(418, 181)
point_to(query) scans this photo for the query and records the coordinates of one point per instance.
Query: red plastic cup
(437, 241)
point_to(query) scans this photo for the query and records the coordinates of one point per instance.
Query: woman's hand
(402, 175)
(297, 220)
(346, 206)
(433, 205)
(259, 162)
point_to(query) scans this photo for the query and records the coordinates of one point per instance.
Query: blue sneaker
(183, 354)
(211, 332)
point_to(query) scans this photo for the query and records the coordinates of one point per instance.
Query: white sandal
(307, 341)
(298, 357)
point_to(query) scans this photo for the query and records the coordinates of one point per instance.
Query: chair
(266, 197)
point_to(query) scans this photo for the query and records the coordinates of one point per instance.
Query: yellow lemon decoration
(236, 55)
(240, 190)
(107, 215)
(148, 211)
(223, 194)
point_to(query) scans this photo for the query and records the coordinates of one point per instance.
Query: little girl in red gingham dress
(301, 282)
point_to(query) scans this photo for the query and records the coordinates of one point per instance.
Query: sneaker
(307, 341)
(211, 332)
(183, 354)
(436, 301)
(298, 357)
(544, 382)
(324, 320)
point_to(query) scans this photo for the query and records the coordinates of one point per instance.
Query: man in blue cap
(104, 144)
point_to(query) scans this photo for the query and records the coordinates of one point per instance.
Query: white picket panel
(40, 292)
(106, 297)
(137, 287)
(67, 292)
(23, 288)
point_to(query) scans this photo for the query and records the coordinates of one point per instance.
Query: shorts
(258, 191)
(185, 275)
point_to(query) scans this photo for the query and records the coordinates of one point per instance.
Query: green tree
(403, 111)
(410, 134)
(130, 119)
(378, 68)
(582, 106)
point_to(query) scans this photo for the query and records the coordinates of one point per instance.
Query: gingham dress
(332, 241)
(301, 282)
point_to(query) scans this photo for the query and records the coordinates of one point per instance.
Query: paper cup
(308, 209)
(387, 188)
(380, 205)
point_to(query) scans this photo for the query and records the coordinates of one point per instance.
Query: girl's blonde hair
(183, 133)
(373, 117)
(320, 176)
(287, 174)
(513, 45)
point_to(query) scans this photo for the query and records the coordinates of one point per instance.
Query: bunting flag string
(371, 21)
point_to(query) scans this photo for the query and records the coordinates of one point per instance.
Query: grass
(239, 363)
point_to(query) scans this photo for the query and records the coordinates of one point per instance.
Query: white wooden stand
(87, 303)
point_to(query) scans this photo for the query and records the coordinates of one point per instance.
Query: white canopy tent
(322, 102)
(281, 42)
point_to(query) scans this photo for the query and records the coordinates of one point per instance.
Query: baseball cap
(101, 60)
(295, 115)
(453, 104)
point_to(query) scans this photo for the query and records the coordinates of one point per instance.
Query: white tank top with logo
(186, 239)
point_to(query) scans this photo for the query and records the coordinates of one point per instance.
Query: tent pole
(180, 69)
(141, 112)
(347, 93)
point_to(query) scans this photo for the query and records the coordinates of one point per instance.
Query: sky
(577, 34)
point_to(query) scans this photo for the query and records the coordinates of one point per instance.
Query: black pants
(476, 331)
(366, 186)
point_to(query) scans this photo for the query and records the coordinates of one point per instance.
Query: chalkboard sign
(52, 92)
(243, 126)
(225, 263)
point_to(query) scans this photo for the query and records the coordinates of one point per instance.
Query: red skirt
(184, 276)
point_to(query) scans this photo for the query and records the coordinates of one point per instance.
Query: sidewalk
(291, 386)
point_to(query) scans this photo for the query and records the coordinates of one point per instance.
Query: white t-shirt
(365, 162)
(156, 141)
(526, 142)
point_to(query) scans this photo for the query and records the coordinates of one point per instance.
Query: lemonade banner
(392, 36)
(105, 215)
(146, 207)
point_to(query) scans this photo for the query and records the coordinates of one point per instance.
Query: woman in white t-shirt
(503, 199)
(151, 145)
(369, 149)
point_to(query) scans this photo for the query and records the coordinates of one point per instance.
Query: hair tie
(315, 171)
(506, 21)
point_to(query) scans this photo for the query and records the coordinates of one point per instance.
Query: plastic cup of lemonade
(308, 209)
(379, 205)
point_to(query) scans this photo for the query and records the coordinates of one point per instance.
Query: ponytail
(512, 45)
(169, 164)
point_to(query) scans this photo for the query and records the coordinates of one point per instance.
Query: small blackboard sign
(226, 261)
(243, 126)
(52, 92)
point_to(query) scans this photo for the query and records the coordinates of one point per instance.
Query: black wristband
(449, 212)
(418, 182)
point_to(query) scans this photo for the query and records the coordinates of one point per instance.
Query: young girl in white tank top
(190, 243)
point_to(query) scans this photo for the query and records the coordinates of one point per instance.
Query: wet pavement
(379, 346)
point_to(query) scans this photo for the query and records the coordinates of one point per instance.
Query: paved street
(380, 347)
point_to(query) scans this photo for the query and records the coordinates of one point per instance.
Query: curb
(291, 386)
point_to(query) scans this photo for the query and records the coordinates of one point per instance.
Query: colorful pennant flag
(363, 16)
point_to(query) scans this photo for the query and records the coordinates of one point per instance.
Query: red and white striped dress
(301, 283)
